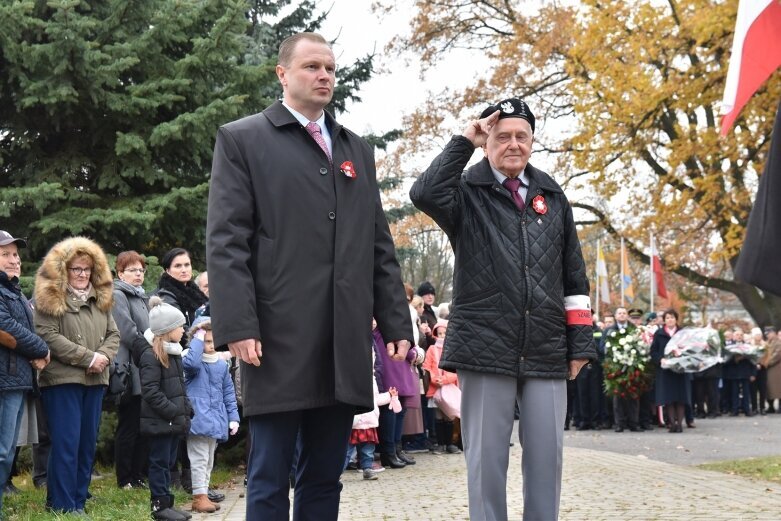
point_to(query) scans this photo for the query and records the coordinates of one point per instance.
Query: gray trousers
(200, 450)
(487, 412)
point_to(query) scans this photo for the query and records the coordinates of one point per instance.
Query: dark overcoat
(300, 256)
(669, 386)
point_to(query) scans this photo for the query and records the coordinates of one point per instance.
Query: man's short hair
(287, 47)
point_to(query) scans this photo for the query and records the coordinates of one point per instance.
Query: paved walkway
(598, 484)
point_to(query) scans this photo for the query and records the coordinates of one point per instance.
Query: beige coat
(772, 360)
(73, 329)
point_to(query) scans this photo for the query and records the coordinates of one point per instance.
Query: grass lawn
(767, 468)
(108, 503)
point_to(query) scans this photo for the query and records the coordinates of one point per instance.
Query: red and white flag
(656, 267)
(756, 54)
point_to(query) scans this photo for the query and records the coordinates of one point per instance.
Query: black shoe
(162, 511)
(403, 456)
(186, 515)
(690, 425)
(214, 496)
(584, 427)
(10, 489)
(636, 429)
(646, 427)
(618, 429)
(392, 461)
(749, 414)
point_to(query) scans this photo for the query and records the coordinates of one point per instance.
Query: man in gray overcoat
(300, 258)
(520, 321)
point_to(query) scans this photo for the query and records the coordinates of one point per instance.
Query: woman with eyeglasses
(131, 450)
(73, 300)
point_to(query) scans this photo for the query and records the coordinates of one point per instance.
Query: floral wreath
(628, 372)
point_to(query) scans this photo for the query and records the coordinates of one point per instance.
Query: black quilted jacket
(165, 408)
(512, 270)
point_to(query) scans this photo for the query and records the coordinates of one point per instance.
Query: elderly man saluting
(520, 320)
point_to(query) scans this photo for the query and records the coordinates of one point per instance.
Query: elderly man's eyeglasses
(80, 271)
(135, 270)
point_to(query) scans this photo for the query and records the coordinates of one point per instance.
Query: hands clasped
(99, 364)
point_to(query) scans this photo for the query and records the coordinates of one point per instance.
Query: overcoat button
(331, 215)
(323, 170)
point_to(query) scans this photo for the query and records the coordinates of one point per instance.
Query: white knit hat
(163, 317)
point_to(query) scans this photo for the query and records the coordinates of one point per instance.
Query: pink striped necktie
(513, 185)
(314, 131)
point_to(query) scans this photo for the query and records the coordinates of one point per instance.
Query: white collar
(500, 177)
(303, 119)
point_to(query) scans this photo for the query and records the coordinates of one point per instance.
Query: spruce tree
(109, 109)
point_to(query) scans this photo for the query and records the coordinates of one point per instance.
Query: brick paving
(598, 484)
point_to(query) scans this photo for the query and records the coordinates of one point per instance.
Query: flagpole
(622, 271)
(596, 271)
(651, 265)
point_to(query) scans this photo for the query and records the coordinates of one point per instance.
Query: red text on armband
(579, 317)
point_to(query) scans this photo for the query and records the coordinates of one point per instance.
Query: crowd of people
(88, 338)
(92, 335)
(735, 385)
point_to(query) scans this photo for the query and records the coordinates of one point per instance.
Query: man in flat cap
(520, 322)
(21, 352)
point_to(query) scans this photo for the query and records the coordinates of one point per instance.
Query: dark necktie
(315, 132)
(513, 185)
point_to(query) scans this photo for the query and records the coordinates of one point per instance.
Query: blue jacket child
(213, 397)
(209, 388)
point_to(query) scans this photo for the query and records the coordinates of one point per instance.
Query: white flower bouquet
(692, 350)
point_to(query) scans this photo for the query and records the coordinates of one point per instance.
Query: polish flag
(656, 264)
(756, 54)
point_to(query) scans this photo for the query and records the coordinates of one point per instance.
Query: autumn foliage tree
(628, 94)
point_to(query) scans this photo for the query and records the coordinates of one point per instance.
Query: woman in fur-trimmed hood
(73, 300)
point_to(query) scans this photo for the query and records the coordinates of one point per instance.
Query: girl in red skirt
(364, 434)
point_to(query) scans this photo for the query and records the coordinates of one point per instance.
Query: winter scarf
(188, 295)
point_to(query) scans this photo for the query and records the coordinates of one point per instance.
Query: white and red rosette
(348, 169)
(539, 205)
(578, 310)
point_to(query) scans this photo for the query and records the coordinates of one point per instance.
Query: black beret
(426, 288)
(511, 108)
